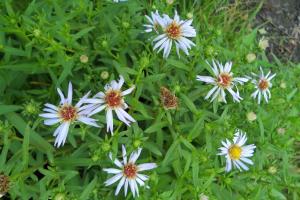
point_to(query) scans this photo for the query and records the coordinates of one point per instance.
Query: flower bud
(104, 75)
(250, 57)
(84, 58)
(251, 116)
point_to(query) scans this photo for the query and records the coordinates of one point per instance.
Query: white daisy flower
(155, 22)
(112, 99)
(262, 86)
(223, 80)
(236, 152)
(128, 172)
(66, 114)
(177, 31)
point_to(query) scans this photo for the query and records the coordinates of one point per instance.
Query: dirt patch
(282, 19)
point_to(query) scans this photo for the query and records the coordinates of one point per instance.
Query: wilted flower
(236, 153)
(4, 184)
(112, 100)
(262, 85)
(168, 100)
(128, 172)
(263, 43)
(66, 114)
(223, 80)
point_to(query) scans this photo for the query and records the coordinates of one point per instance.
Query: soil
(282, 19)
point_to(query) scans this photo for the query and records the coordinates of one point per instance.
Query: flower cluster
(170, 31)
(112, 100)
(223, 80)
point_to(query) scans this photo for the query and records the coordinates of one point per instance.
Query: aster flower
(236, 152)
(177, 31)
(262, 85)
(65, 114)
(112, 100)
(223, 80)
(155, 21)
(128, 172)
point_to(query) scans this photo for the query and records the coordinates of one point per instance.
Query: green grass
(40, 47)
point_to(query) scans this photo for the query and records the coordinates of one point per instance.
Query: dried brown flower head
(4, 185)
(168, 100)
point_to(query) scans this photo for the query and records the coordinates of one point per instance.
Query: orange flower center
(235, 152)
(263, 84)
(173, 31)
(224, 80)
(68, 113)
(130, 170)
(113, 98)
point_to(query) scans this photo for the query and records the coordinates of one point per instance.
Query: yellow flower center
(224, 80)
(235, 152)
(173, 31)
(263, 84)
(113, 98)
(68, 113)
(130, 170)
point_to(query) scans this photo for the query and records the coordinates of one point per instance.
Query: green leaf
(35, 139)
(88, 189)
(4, 109)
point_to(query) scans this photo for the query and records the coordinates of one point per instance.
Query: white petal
(206, 79)
(97, 110)
(109, 121)
(228, 165)
(211, 92)
(143, 177)
(121, 117)
(70, 93)
(51, 106)
(128, 91)
(146, 166)
(132, 187)
(113, 179)
(49, 110)
(88, 121)
(62, 97)
(112, 170)
(126, 115)
(121, 183)
(50, 122)
(116, 161)
(126, 187)
(49, 115)
(62, 135)
(124, 155)
(135, 155)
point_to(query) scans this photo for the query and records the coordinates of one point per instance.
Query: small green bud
(137, 143)
(84, 59)
(104, 44)
(105, 147)
(272, 170)
(36, 32)
(104, 75)
(60, 196)
(189, 15)
(126, 25)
